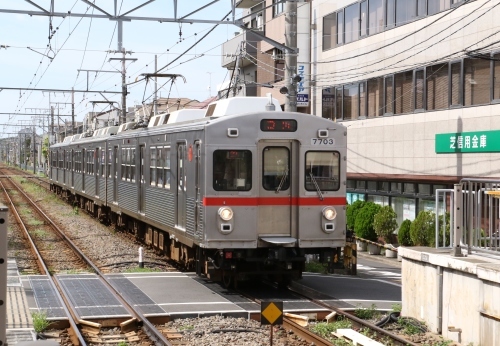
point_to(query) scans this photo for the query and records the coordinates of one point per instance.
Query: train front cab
(298, 209)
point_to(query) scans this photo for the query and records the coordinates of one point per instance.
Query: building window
(437, 87)
(389, 96)
(424, 189)
(363, 20)
(329, 31)
(396, 187)
(371, 185)
(380, 200)
(360, 184)
(476, 81)
(456, 83)
(375, 97)
(421, 8)
(375, 16)
(435, 6)
(403, 92)
(362, 99)
(351, 27)
(419, 89)
(278, 7)
(353, 197)
(496, 76)
(328, 103)
(338, 103)
(409, 188)
(351, 102)
(406, 11)
(390, 13)
(340, 27)
(383, 186)
(404, 208)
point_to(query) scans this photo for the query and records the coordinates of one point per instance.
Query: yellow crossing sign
(271, 313)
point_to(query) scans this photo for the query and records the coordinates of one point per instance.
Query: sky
(83, 44)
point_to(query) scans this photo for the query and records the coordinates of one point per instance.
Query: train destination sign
(468, 142)
(278, 125)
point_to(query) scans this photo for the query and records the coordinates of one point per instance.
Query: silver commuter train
(234, 191)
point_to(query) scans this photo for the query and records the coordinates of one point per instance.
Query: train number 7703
(322, 141)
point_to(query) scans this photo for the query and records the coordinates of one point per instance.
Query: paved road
(378, 282)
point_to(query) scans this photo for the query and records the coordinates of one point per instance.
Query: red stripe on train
(256, 201)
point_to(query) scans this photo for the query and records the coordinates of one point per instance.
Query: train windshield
(322, 170)
(232, 170)
(276, 169)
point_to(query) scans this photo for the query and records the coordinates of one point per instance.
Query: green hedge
(363, 226)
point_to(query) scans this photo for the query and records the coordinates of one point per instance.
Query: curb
(379, 258)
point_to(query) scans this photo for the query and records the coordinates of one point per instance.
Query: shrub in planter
(443, 219)
(363, 226)
(422, 229)
(404, 237)
(351, 212)
(384, 223)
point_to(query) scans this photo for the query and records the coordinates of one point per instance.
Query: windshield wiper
(316, 186)
(282, 181)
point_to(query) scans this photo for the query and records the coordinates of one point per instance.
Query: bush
(385, 223)
(363, 226)
(352, 212)
(422, 229)
(404, 237)
(446, 218)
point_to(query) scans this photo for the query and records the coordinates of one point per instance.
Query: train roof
(238, 105)
(176, 117)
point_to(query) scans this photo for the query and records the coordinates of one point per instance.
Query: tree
(422, 229)
(45, 149)
(352, 212)
(384, 223)
(363, 226)
(404, 237)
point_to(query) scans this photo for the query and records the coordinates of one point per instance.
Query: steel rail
(43, 267)
(153, 333)
(360, 322)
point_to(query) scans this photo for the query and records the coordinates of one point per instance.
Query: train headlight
(329, 213)
(225, 213)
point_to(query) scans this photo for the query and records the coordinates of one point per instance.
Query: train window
(110, 160)
(152, 166)
(166, 167)
(276, 168)
(322, 171)
(103, 163)
(232, 170)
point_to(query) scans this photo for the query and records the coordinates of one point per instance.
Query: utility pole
(72, 111)
(51, 141)
(155, 102)
(34, 150)
(291, 57)
(123, 118)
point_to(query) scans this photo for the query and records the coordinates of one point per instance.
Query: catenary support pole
(291, 55)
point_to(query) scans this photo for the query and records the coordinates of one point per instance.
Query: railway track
(290, 323)
(42, 231)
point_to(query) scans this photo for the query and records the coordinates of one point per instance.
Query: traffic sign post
(271, 313)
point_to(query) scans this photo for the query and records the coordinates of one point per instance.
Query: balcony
(230, 50)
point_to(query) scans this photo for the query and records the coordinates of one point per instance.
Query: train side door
(142, 182)
(97, 170)
(72, 167)
(115, 174)
(181, 186)
(197, 212)
(278, 183)
(84, 167)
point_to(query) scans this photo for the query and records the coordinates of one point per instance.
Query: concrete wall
(468, 297)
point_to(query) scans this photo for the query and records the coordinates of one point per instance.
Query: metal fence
(474, 216)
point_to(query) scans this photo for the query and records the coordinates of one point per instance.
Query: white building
(417, 84)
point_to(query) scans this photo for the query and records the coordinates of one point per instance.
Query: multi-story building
(257, 66)
(417, 84)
